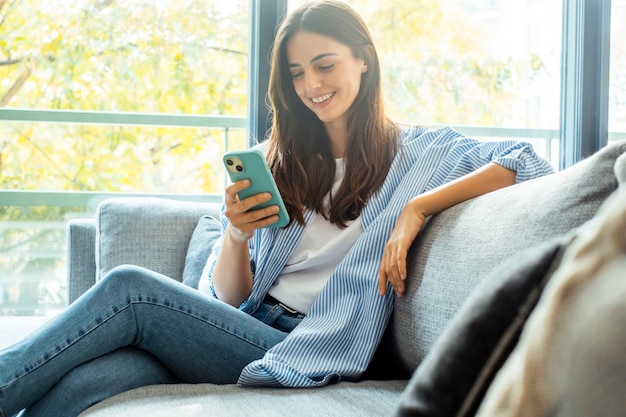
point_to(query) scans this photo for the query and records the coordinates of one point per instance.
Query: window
(617, 77)
(489, 68)
(126, 96)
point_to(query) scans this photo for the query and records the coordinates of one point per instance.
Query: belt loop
(285, 307)
(288, 309)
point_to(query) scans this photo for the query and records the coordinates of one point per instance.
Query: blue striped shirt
(338, 337)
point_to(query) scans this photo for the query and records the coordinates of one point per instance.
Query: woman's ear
(369, 55)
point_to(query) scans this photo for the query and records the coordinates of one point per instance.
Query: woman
(301, 306)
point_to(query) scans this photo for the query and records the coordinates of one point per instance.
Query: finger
(266, 221)
(398, 287)
(249, 203)
(401, 263)
(250, 219)
(386, 274)
(230, 193)
(382, 281)
(396, 269)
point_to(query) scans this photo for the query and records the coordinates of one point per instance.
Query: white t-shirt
(320, 250)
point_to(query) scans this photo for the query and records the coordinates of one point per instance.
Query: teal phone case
(251, 164)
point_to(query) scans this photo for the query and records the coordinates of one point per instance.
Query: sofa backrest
(457, 248)
(149, 232)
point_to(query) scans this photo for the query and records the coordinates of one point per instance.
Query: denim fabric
(119, 371)
(278, 315)
(176, 333)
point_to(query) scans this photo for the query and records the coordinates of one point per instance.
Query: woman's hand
(485, 179)
(243, 222)
(232, 277)
(393, 265)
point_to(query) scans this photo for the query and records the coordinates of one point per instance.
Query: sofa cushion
(459, 247)
(455, 375)
(368, 398)
(207, 231)
(150, 232)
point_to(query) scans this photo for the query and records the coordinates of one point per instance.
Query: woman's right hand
(243, 221)
(232, 277)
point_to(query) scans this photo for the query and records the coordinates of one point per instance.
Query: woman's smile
(322, 99)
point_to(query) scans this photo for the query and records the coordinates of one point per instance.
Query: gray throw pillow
(204, 236)
(454, 377)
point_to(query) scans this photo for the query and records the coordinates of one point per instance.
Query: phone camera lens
(239, 168)
(229, 162)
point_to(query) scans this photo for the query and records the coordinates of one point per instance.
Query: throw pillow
(522, 387)
(590, 371)
(204, 236)
(454, 376)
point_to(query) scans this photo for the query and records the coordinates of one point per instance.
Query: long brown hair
(298, 149)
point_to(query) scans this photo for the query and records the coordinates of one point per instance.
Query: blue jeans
(133, 328)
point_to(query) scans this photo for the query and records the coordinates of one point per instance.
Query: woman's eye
(326, 67)
(296, 75)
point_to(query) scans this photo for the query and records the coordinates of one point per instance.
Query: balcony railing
(27, 291)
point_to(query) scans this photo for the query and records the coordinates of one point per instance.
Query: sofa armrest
(150, 232)
(81, 257)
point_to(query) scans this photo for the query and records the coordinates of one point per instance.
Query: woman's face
(326, 76)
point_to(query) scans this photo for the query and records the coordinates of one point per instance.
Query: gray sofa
(474, 244)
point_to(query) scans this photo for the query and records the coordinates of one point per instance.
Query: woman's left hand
(393, 265)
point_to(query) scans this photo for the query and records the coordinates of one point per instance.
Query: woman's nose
(312, 82)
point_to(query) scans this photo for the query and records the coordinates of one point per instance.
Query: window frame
(265, 17)
(586, 44)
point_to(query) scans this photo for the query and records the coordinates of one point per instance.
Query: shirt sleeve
(465, 155)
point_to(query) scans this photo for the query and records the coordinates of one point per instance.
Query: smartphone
(251, 164)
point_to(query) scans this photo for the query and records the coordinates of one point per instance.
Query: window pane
(181, 57)
(143, 159)
(187, 56)
(486, 64)
(32, 259)
(617, 78)
(65, 157)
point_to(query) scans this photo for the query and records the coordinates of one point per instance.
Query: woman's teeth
(320, 99)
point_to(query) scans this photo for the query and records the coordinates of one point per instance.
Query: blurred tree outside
(190, 57)
(437, 68)
(183, 57)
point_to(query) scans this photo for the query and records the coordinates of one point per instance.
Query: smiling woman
(385, 180)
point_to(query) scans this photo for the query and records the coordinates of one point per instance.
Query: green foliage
(182, 57)
(435, 68)
(190, 56)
